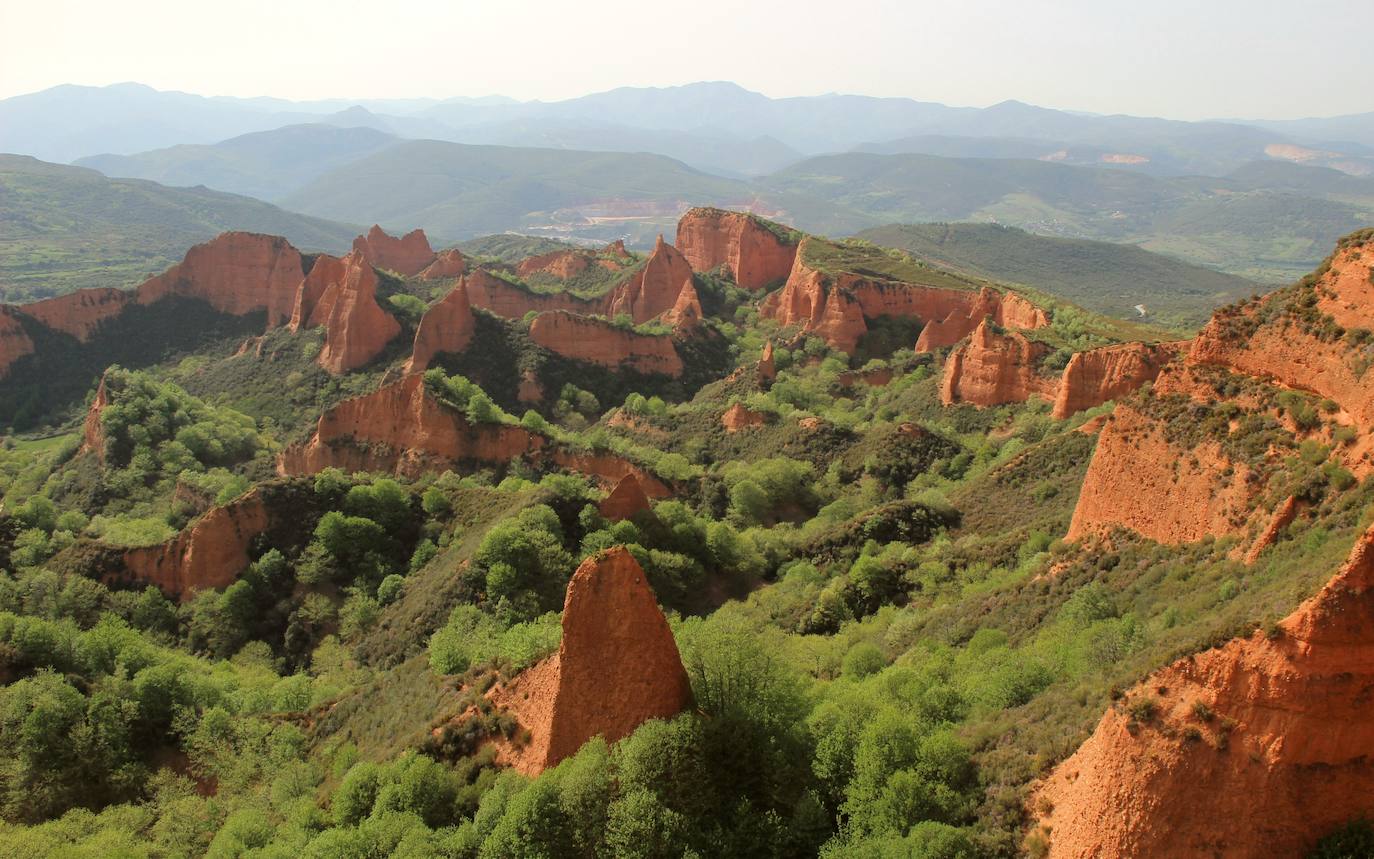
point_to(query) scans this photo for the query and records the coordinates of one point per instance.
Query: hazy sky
(1179, 58)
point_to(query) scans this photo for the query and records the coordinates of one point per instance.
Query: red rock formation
(408, 255)
(209, 553)
(752, 253)
(401, 429)
(1139, 480)
(15, 342)
(1092, 378)
(616, 668)
(560, 264)
(1280, 350)
(584, 339)
(446, 327)
(491, 293)
(609, 468)
(235, 273)
(738, 417)
(686, 313)
(654, 289)
(80, 313)
(449, 263)
(626, 501)
(1285, 759)
(531, 390)
(991, 369)
(876, 377)
(357, 329)
(967, 310)
(767, 371)
(306, 312)
(93, 429)
(834, 306)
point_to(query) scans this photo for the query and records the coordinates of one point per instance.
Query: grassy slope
(1101, 276)
(65, 228)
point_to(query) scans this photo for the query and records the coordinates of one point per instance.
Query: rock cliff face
(654, 289)
(408, 255)
(993, 368)
(626, 501)
(834, 306)
(1285, 759)
(1278, 343)
(80, 313)
(306, 310)
(616, 668)
(584, 339)
(357, 329)
(767, 370)
(753, 254)
(1139, 480)
(449, 263)
(446, 327)
(1098, 375)
(401, 429)
(209, 553)
(235, 273)
(967, 310)
(15, 342)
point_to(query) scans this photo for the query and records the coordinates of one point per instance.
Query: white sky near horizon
(1185, 60)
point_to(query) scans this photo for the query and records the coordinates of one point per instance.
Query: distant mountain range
(719, 127)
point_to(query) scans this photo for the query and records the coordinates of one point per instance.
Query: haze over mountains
(1263, 199)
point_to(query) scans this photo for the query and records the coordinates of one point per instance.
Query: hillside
(1106, 277)
(763, 543)
(463, 191)
(66, 228)
(1250, 230)
(266, 164)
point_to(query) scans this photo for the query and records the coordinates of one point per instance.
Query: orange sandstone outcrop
(93, 429)
(1284, 758)
(753, 254)
(686, 313)
(449, 263)
(616, 668)
(401, 429)
(1093, 377)
(15, 342)
(235, 273)
(80, 313)
(357, 329)
(1283, 516)
(739, 417)
(992, 368)
(306, 310)
(834, 306)
(209, 553)
(446, 327)
(767, 370)
(626, 501)
(608, 468)
(654, 289)
(1279, 349)
(594, 341)
(408, 255)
